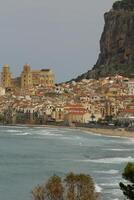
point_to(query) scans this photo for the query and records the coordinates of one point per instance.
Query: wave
(70, 137)
(110, 184)
(118, 149)
(42, 133)
(112, 171)
(115, 136)
(14, 126)
(48, 134)
(98, 189)
(125, 141)
(131, 140)
(13, 131)
(21, 134)
(115, 192)
(110, 160)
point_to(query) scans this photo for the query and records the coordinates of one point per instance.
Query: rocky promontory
(116, 43)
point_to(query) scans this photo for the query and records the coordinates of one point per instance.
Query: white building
(2, 91)
(131, 87)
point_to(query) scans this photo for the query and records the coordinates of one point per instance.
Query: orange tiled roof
(129, 110)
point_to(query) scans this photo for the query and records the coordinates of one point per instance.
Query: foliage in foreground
(73, 187)
(128, 174)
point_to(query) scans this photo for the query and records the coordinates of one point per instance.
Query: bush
(73, 187)
(128, 174)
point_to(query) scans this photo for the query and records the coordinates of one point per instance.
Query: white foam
(118, 149)
(126, 141)
(110, 160)
(69, 137)
(131, 140)
(112, 171)
(98, 189)
(110, 184)
(13, 131)
(49, 134)
(21, 134)
(13, 126)
(114, 136)
(114, 192)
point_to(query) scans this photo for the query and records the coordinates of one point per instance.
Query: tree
(128, 174)
(73, 187)
(70, 181)
(85, 187)
(38, 193)
(54, 188)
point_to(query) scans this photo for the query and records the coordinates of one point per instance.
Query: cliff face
(116, 43)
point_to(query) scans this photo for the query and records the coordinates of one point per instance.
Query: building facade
(6, 77)
(131, 87)
(31, 78)
(43, 77)
(26, 77)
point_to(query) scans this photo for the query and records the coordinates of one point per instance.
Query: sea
(30, 155)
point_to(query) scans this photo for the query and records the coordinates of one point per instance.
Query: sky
(62, 35)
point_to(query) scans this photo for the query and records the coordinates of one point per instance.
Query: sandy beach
(110, 132)
(120, 132)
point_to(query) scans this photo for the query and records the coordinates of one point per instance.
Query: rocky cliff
(116, 43)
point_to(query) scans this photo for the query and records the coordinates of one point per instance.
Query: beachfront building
(127, 114)
(76, 113)
(58, 114)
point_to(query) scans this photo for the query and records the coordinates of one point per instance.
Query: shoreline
(99, 131)
(110, 132)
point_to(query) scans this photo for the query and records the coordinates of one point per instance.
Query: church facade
(28, 78)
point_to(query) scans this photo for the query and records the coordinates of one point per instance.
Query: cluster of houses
(88, 101)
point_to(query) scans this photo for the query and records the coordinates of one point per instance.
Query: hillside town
(34, 98)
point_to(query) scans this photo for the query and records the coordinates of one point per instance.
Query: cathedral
(28, 78)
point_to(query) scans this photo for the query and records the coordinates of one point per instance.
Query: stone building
(43, 77)
(6, 77)
(31, 78)
(26, 77)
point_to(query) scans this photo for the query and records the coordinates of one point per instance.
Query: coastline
(110, 132)
(99, 131)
